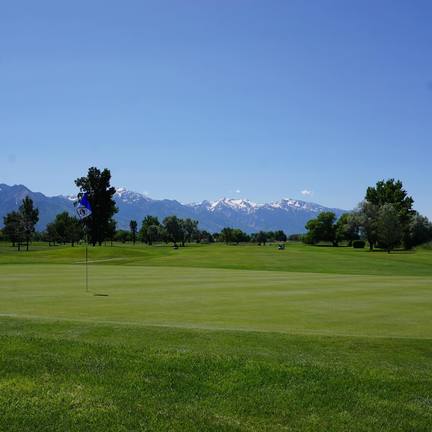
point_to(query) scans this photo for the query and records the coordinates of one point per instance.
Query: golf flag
(84, 208)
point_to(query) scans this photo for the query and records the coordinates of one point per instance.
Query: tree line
(100, 226)
(385, 219)
(67, 229)
(171, 229)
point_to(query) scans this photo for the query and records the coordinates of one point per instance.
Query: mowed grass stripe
(295, 258)
(376, 306)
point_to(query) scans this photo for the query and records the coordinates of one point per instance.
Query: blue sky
(202, 99)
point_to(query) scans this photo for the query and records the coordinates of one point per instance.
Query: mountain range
(287, 214)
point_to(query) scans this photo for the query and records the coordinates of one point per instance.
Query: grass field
(215, 337)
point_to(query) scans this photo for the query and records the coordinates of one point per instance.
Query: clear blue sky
(201, 99)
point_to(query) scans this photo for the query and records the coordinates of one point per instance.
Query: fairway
(286, 302)
(215, 337)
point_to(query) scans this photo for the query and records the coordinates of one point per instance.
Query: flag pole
(86, 261)
(84, 209)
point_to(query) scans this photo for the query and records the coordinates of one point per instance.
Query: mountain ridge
(287, 214)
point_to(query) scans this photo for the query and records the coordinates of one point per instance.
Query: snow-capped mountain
(226, 203)
(287, 214)
(244, 205)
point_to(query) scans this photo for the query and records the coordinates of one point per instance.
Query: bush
(358, 244)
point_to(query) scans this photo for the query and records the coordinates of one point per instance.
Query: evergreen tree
(133, 225)
(29, 217)
(100, 195)
(13, 228)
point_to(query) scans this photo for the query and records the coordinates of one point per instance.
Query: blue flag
(83, 208)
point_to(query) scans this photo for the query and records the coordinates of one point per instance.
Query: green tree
(153, 233)
(173, 226)
(366, 217)
(322, 229)
(13, 228)
(420, 230)
(206, 237)
(65, 229)
(122, 236)
(133, 225)
(162, 233)
(280, 236)
(238, 236)
(347, 228)
(227, 235)
(190, 228)
(29, 217)
(111, 230)
(392, 192)
(389, 227)
(261, 237)
(146, 223)
(100, 195)
(51, 235)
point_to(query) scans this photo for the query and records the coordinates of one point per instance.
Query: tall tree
(190, 228)
(366, 216)
(146, 223)
(30, 217)
(347, 228)
(174, 229)
(280, 236)
(162, 233)
(239, 236)
(13, 228)
(227, 235)
(133, 225)
(153, 233)
(111, 230)
(420, 230)
(50, 234)
(261, 237)
(389, 227)
(392, 192)
(100, 195)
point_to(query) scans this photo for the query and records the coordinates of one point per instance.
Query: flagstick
(86, 262)
(84, 209)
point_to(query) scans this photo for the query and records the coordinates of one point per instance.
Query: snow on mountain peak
(235, 204)
(128, 196)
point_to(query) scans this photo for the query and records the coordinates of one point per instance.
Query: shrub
(358, 244)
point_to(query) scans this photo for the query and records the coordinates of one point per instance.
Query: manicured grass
(215, 338)
(295, 258)
(223, 299)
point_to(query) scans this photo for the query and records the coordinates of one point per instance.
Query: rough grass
(61, 376)
(215, 338)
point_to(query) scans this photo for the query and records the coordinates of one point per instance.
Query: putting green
(302, 303)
